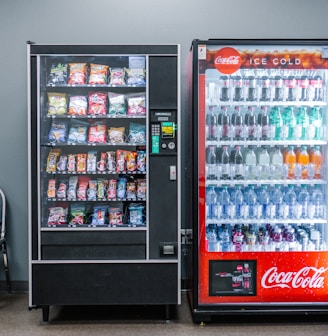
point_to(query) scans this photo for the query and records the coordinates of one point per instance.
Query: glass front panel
(93, 150)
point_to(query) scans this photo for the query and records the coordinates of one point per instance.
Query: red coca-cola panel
(279, 277)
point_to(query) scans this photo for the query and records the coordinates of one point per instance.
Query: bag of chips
(57, 103)
(52, 160)
(116, 135)
(97, 103)
(99, 216)
(78, 132)
(78, 105)
(57, 216)
(58, 131)
(117, 76)
(136, 104)
(136, 77)
(97, 133)
(137, 133)
(58, 74)
(117, 104)
(98, 74)
(77, 214)
(77, 73)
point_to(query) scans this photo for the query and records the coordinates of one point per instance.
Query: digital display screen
(167, 129)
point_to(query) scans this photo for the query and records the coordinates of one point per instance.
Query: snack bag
(98, 74)
(137, 133)
(77, 105)
(115, 216)
(62, 163)
(131, 161)
(111, 191)
(117, 76)
(78, 132)
(121, 187)
(92, 190)
(72, 185)
(52, 160)
(101, 190)
(58, 74)
(116, 135)
(92, 162)
(81, 163)
(97, 133)
(58, 131)
(99, 215)
(57, 216)
(141, 189)
(136, 77)
(77, 73)
(121, 160)
(61, 191)
(136, 104)
(117, 104)
(51, 193)
(77, 214)
(97, 103)
(82, 188)
(57, 103)
(71, 163)
(131, 190)
(141, 161)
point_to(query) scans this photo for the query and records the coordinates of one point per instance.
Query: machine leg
(45, 313)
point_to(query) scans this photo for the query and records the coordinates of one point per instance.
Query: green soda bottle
(276, 123)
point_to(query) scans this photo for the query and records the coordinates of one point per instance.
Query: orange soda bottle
(316, 160)
(290, 160)
(303, 160)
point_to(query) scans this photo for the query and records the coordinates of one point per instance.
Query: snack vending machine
(260, 231)
(104, 167)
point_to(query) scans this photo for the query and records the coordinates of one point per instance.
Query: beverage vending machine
(104, 167)
(259, 202)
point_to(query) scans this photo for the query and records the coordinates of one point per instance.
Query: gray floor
(17, 320)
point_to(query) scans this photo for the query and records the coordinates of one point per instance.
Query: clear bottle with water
(264, 200)
(225, 240)
(212, 203)
(291, 200)
(212, 240)
(251, 201)
(303, 199)
(277, 200)
(237, 198)
(225, 202)
(317, 199)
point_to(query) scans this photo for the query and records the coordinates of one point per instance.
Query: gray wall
(117, 22)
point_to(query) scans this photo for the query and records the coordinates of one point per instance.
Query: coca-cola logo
(227, 60)
(306, 277)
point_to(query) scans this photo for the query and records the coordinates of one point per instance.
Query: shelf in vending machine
(269, 143)
(265, 103)
(217, 183)
(265, 221)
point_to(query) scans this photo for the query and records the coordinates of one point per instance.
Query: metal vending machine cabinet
(104, 175)
(259, 182)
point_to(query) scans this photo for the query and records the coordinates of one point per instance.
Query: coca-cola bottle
(225, 163)
(316, 88)
(304, 87)
(237, 279)
(263, 121)
(224, 88)
(211, 124)
(238, 164)
(247, 276)
(278, 88)
(224, 124)
(250, 88)
(250, 122)
(237, 83)
(237, 123)
(265, 84)
(211, 163)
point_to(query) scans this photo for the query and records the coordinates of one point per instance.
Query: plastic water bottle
(250, 163)
(263, 160)
(303, 199)
(315, 126)
(237, 198)
(225, 202)
(302, 121)
(317, 200)
(291, 200)
(225, 240)
(212, 204)
(264, 200)
(277, 200)
(251, 201)
(213, 244)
